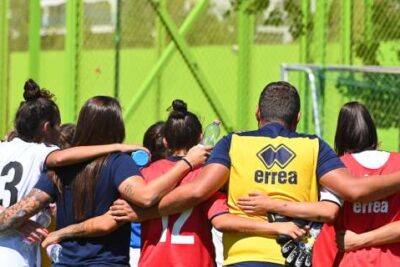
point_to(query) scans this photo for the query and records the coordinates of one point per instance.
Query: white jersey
(21, 164)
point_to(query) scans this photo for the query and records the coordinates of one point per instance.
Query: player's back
(363, 217)
(272, 160)
(20, 166)
(183, 239)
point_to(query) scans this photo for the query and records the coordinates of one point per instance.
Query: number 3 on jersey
(16, 169)
(176, 238)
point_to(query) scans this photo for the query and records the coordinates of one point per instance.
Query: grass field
(219, 64)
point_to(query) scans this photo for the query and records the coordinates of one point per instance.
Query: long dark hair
(355, 130)
(183, 128)
(100, 122)
(32, 113)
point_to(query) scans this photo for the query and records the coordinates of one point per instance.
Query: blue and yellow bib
(284, 167)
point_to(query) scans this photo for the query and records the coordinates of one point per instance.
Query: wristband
(188, 163)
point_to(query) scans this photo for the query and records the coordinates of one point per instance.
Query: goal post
(328, 87)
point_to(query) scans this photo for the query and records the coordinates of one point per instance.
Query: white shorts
(14, 252)
(219, 251)
(134, 254)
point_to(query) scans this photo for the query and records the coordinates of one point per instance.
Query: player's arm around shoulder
(212, 177)
(73, 155)
(97, 226)
(386, 234)
(333, 175)
(143, 194)
(353, 189)
(217, 211)
(260, 204)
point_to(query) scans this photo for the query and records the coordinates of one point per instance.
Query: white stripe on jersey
(372, 159)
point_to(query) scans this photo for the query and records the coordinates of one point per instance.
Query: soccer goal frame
(311, 70)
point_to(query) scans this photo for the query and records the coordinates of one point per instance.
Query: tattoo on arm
(128, 190)
(73, 231)
(15, 215)
(89, 228)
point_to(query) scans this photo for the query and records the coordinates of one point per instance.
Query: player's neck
(263, 123)
(179, 153)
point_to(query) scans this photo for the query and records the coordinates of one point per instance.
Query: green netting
(378, 89)
(281, 31)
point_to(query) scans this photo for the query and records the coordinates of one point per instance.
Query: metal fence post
(165, 57)
(4, 116)
(368, 26)
(117, 47)
(320, 41)
(304, 59)
(320, 29)
(193, 66)
(73, 49)
(245, 40)
(161, 43)
(304, 38)
(34, 39)
(347, 32)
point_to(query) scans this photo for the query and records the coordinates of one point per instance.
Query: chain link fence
(376, 87)
(232, 48)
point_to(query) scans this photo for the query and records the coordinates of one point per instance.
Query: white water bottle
(211, 133)
(54, 252)
(44, 218)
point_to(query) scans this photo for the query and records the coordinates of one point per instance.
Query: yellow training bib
(282, 167)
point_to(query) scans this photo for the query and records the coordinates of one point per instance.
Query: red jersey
(183, 239)
(360, 218)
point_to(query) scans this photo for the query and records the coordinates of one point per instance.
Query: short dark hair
(153, 141)
(355, 130)
(67, 133)
(183, 128)
(279, 101)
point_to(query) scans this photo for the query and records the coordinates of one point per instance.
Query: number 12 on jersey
(176, 238)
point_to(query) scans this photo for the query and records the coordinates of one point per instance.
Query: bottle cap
(217, 122)
(141, 158)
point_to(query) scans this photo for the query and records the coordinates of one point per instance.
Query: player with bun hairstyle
(22, 159)
(86, 190)
(177, 240)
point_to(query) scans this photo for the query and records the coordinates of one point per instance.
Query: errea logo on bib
(371, 207)
(281, 155)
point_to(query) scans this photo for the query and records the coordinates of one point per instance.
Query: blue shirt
(108, 250)
(327, 158)
(135, 235)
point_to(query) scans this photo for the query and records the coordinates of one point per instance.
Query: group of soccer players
(267, 190)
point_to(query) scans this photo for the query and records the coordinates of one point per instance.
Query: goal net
(324, 89)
